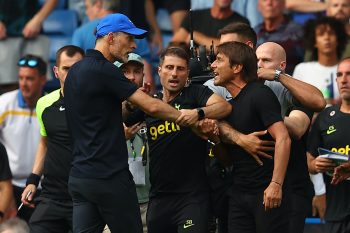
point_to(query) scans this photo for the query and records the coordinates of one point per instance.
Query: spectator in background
(246, 8)
(339, 9)
(326, 38)
(6, 193)
(207, 23)
(177, 11)
(20, 26)
(14, 225)
(19, 128)
(84, 36)
(278, 28)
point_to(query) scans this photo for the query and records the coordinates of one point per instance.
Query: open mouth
(174, 82)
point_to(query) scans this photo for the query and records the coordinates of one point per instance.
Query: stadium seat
(59, 27)
(62, 22)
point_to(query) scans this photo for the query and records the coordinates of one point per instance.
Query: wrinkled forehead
(344, 65)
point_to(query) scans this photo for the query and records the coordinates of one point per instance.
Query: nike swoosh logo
(62, 109)
(331, 131)
(188, 225)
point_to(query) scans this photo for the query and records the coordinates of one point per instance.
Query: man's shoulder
(49, 98)
(9, 97)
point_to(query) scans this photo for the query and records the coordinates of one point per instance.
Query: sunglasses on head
(28, 62)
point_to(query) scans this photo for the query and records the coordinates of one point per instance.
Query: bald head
(271, 55)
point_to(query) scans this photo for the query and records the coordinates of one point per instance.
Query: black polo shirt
(255, 108)
(50, 110)
(94, 90)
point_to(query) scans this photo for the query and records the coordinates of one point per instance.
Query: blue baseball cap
(118, 23)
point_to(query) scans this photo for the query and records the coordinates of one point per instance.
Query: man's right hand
(28, 201)
(323, 164)
(319, 206)
(256, 147)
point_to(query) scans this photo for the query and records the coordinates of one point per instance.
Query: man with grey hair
(14, 225)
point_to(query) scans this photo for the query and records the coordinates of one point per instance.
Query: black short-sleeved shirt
(203, 21)
(94, 90)
(331, 131)
(255, 108)
(177, 155)
(51, 114)
(5, 171)
(297, 172)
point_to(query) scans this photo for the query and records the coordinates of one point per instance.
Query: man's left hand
(272, 196)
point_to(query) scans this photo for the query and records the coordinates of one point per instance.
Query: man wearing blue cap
(102, 188)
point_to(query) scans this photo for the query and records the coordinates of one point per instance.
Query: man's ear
(283, 65)
(110, 38)
(55, 71)
(237, 68)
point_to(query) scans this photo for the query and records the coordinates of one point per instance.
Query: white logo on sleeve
(62, 108)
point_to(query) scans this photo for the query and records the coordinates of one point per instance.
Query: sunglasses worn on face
(31, 62)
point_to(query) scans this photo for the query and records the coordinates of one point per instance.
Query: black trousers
(111, 201)
(300, 208)
(337, 227)
(178, 213)
(52, 216)
(247, 215)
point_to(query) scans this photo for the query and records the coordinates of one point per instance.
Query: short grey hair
(14, 225)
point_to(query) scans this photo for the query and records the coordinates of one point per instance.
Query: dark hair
(70, 50)
(40, 64)
(242, 54)
(334, 24)
(241, 29)
(174, 51)
(182, 45)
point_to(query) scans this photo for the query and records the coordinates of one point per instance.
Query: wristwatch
(277, 75)
(201, 114)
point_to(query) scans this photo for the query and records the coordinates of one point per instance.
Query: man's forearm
(6, 194)
(281, 158)
(46, 9)
(305, 6)
(217, 110)
(308, 95)
(202, 39)
(38, 166)
(228, 134)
